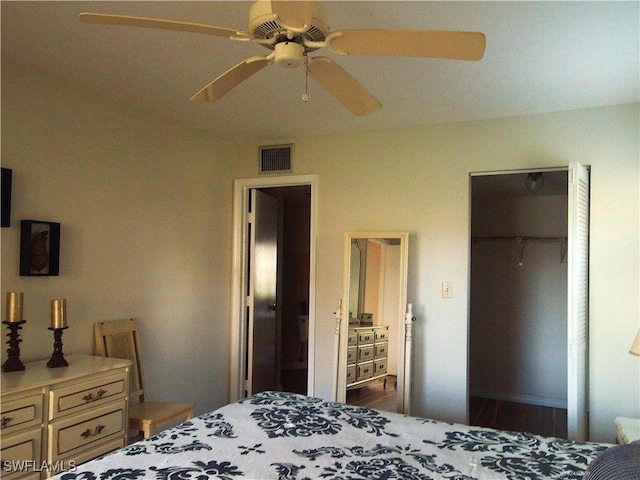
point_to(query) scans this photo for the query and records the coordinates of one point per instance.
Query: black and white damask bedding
(285, 436)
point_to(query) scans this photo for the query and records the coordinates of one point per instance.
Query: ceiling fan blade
(126, 21)
(412, 43)
(335, 80)
(231, 78)
(296, 14)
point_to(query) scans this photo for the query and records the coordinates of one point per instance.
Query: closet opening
(518, 355)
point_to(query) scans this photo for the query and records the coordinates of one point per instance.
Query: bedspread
(275, 435)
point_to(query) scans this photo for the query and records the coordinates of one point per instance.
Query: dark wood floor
(375, 395)
(518, 417)
(483, 412)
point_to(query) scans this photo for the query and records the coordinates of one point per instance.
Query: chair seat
(150, 414)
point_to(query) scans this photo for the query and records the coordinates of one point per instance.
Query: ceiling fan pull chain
(305, 96)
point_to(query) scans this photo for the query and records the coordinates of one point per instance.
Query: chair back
(119, 339)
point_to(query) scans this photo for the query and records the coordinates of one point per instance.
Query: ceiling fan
(293, 29)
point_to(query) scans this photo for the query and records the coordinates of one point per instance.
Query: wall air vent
(276, 158)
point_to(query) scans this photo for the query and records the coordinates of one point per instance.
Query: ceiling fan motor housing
(289, 54)
(264, 25)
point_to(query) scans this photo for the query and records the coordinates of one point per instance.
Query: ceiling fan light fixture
(534, 182)
(289, 54)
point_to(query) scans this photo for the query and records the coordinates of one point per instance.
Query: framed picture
(7, 173)
(39, 248)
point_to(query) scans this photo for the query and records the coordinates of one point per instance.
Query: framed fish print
(39, 248)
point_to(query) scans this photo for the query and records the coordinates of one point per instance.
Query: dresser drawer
(85, 430)
(89, 394)
(365, 353)
(351, 374)
(74, 459)
(21, 413)
(365, 336)
(352, 355)
(23, 476)
(17, 449)
(380, 366)
(353, 338)
(382, 334)
(380, 349)
(365, 370)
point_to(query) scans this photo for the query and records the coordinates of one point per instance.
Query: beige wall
(145, 208)
(418, 180)
(145, 213)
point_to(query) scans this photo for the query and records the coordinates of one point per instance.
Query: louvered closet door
(578, 302)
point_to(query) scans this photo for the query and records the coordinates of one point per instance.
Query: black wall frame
(7, 175)
(39, 248)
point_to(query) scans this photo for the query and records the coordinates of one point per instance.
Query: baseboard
(520, 398)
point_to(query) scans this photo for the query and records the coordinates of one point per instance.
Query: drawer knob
(92, 433)
(90, 398)
(5, 421)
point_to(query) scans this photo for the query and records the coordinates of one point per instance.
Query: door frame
(240, 277)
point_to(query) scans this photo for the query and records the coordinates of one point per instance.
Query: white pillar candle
(58, 313)
(14, 307)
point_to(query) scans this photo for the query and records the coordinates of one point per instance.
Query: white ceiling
(540, 57)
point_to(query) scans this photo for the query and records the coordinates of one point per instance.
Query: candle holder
(57, 359)
(13, 363)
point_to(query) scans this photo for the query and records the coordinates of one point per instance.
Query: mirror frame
(403, 396)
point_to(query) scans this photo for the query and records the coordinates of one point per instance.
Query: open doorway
(518, 350)
(292, 326)
(294, 220)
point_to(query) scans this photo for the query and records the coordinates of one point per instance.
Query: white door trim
(239, 277)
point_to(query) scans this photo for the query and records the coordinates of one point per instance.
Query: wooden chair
(119, 339)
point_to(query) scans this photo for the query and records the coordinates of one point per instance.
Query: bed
(286, 436)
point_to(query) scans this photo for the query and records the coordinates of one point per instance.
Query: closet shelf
(521, 239)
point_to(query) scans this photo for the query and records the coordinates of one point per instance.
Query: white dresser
(628, 430)
(55, 418)
(367, 353)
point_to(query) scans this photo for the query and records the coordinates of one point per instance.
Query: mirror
(372, 361)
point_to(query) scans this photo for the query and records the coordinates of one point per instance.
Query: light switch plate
(447, 290)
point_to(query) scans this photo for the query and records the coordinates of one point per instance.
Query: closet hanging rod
(521, 239)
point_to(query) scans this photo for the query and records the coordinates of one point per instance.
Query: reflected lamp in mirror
(635, 348)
